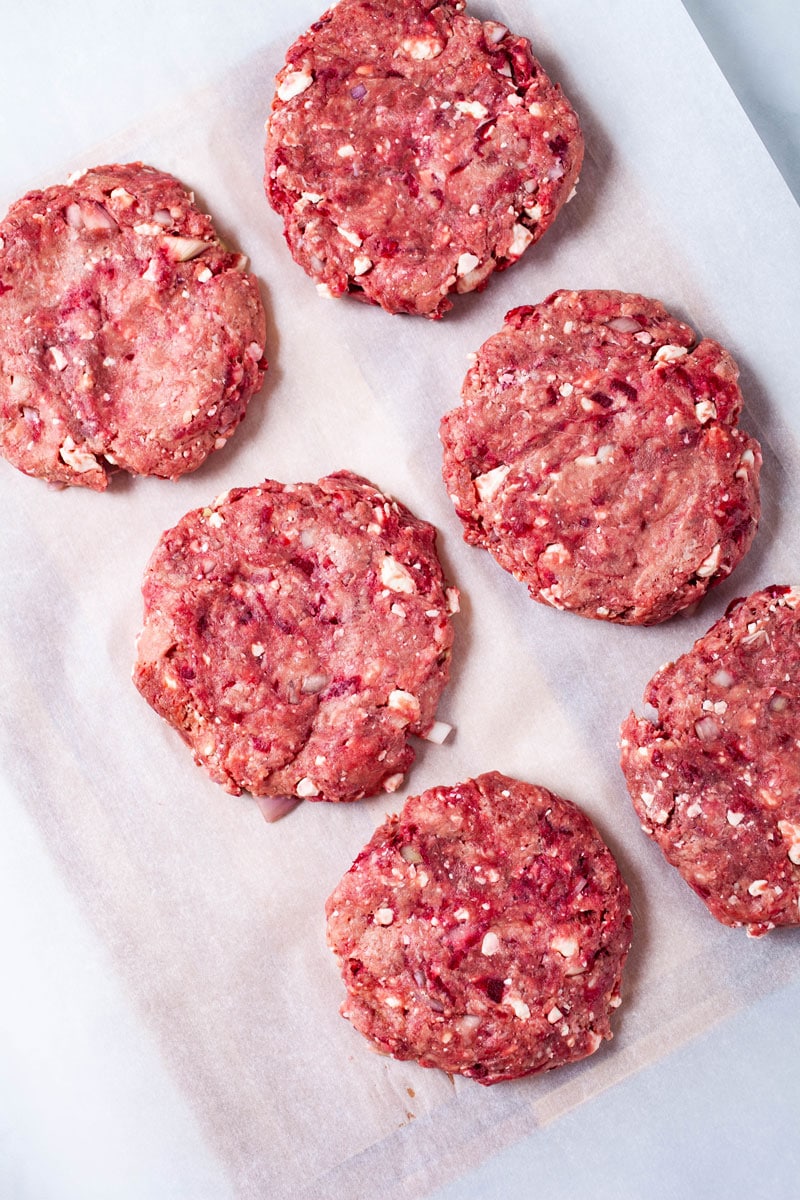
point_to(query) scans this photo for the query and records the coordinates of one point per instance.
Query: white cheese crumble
(709, 565)
(404, 703)
(306, 787)
(294, 84)
(705, 411)
(348, 235)
(669, 354)
(79, 460)
(520, 1008)
(473, 278)
(422, 49)
(395, 577)
(790, 833)
(490, 944)
(747, 460)
(557, 551)
(472, 108)
(466, 262)
(603, 455)
(520, 240)
(489, 484)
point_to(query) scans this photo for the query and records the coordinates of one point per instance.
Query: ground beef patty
(483, 931)
(596, 456)
(715, 776)
(129, 336)
(412, 150)
(295, 635)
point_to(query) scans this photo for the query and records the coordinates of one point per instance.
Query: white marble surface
(757, 46)
(86, 1107)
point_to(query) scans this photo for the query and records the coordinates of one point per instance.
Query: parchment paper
(213, 920)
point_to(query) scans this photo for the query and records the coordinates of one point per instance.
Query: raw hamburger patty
(412, 150)
(596, 456)
(295, 635)
(129, 337)
(483, 931)
(715, 777)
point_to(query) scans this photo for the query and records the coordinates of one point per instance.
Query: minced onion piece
(625, 325)
(184, 249)
(438, 733)
(273, 808)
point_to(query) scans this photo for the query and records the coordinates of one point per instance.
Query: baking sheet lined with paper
(212, 921)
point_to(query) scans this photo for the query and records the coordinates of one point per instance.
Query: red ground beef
(596, 455)
(295, 635)
(130, 338)
(483, 931)
(715, 776)
(412, 150)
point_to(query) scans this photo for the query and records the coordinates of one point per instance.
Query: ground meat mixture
(130, 337)
(483, 931)
(295, 635)
(412, 150)
(596, 455)
(715, 776)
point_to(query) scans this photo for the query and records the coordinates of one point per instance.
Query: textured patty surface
(483, 931)
(715, 777)
(412, 150)
(295, 635)
(596, 455)
(129, 336)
